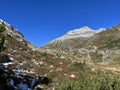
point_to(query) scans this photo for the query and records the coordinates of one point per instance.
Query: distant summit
(82, 32)
(73, 38)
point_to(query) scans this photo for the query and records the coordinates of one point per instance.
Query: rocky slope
(97, 46)
(72, 39)
(108, 39)
(78, 54)
(18, 62)
(30, 66)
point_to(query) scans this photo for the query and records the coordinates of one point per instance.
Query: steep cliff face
(73, 39)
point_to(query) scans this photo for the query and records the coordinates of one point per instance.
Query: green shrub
(96, 83)
(2, 37)
(77, 66)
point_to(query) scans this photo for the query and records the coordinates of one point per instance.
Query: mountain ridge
(76, 36)
(106, 39)
(84, 31)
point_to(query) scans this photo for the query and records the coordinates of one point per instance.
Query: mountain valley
(69, 62)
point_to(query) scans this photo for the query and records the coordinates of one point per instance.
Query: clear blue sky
(43, 20)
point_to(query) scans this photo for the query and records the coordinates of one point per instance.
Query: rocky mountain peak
(72, 39)
(84, 32)
(80, 30)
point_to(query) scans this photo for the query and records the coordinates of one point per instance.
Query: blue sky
(43, 20)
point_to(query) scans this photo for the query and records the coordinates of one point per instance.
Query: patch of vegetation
(116, 62)
(52, 74)
(2, 37)
(96, 83)
(96, 57)
(77, 66)
(112, 44)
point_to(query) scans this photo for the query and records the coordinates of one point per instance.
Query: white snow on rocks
(6, 64)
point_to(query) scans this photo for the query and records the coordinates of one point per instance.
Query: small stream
(18, 80)
(23, 82)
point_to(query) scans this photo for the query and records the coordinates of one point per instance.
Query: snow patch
(7, 64)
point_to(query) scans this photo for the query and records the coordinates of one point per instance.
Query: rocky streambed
(15, 80)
